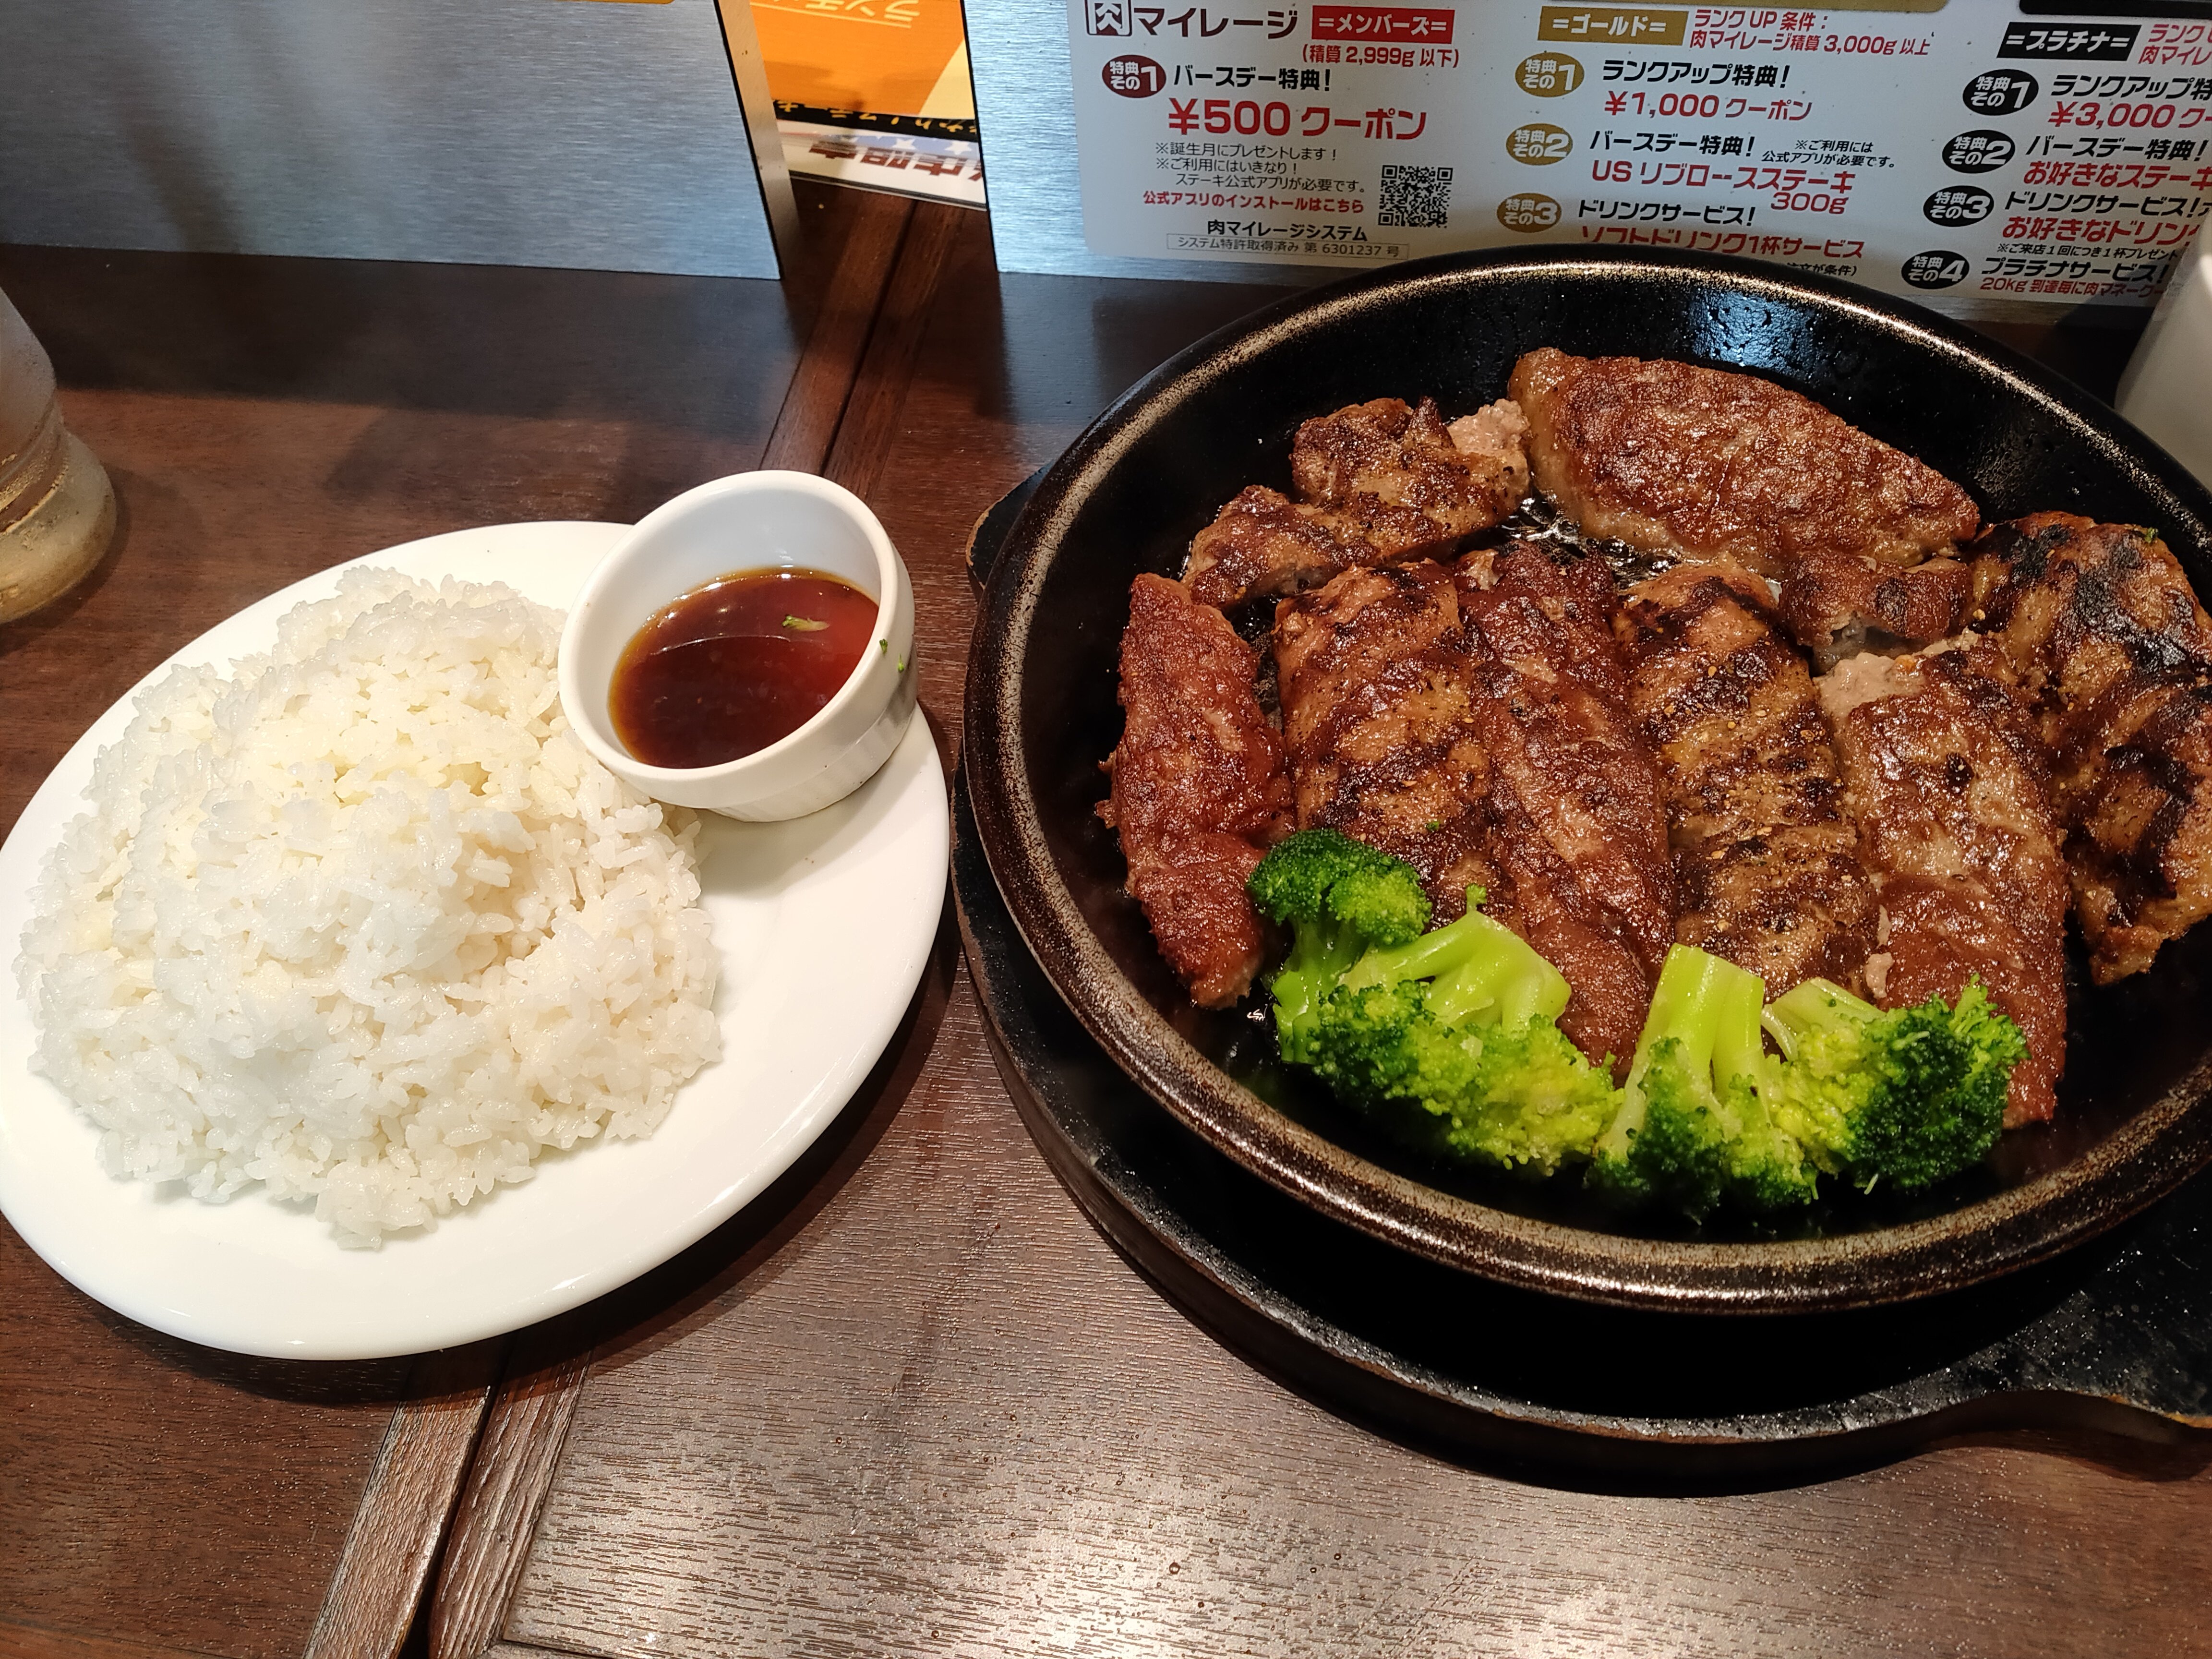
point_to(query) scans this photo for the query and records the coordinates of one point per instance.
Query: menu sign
(1954, 152)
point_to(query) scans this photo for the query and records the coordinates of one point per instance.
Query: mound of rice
(364, 922)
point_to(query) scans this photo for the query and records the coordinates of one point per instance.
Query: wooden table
(909, 1401)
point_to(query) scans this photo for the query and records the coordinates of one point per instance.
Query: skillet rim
(2148, 1156)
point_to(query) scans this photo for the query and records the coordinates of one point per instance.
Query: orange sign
(883, 56)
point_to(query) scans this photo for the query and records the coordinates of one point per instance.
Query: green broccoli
(1908, 1097)
(1693, 1126)
(1339, 896)
(1456, 1023)
(1449, 1037)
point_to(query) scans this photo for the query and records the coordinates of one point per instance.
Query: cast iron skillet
(1041, 714)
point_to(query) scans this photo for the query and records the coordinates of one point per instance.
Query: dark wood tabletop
(909, 1401)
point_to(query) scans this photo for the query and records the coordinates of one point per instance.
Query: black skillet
(1127, 497)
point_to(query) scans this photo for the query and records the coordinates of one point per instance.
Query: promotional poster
(1962, 150)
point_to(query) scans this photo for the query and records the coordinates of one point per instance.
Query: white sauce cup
(753, 521)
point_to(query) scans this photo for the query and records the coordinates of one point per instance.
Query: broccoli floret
(1448, 1035)
(1909, 1097)
(1451, 1038)
(1408, 1021)
(1339, 896)
(1693, 1128)
(1511, 1090)
(1536, 1103)
(1379, 1043)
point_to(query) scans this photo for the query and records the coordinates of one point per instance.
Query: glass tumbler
(57, 507)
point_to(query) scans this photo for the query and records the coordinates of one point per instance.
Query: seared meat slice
(2102, 633)
(1417, 485)
(1578, 824)
(1199, 786)
(1947, 781)
(1376, 690)
(1675, 458)
(1838, 604)
(1474, 722)
(1766, 866)
(1378, 483)
(1263, 544)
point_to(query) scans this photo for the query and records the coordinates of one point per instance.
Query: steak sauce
(737, 664)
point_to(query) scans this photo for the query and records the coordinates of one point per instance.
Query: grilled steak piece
(1578, 823)
(1418, 485)
(1378, 483)
(1947, 781)
(1838, 604)
(1474, 722)
(1375, 688)
(2103, 636)
(1262, 544)
(1199, 787)
(1675, 458)
(1766, 866)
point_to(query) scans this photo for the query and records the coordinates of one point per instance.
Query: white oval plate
(824, 924)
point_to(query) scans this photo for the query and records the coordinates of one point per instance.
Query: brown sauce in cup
(737, 664)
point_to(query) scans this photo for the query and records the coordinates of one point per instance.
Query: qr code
(1418, 199)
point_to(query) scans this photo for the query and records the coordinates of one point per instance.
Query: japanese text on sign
(1960, 153)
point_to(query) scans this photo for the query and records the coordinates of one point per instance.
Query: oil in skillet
(737, 664)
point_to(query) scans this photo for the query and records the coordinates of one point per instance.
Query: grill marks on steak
(2099, 629)
(1413, 483)
(1376, 697)
(1474, 722)
(1766, 864)
(1947, 783)
(1671, 458)
(1200, 789)
(1578, 820)
(1377, 482)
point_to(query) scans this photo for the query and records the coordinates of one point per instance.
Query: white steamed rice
(364, 922)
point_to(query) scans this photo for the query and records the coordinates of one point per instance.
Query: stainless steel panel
(533, 132)
(1025, 111)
